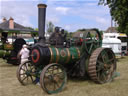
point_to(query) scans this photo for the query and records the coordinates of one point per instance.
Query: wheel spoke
(26, 67)
(110, 69)
(99, 66)
(57, 84)
(24, 78)
(105, 57)
(98, 69)
(52, 69)
(111, 60)
(27, 78)
(57, 69)
(58, 73)
(96, 41)
(23, 69)
(31, 78)
(48, 71)
(30, 65)
(100, 63)
(103, 76)
(54, 88)
(90, 49)
(23, 74)
(89, 42)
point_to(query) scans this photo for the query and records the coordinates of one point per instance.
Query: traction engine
(54, 61)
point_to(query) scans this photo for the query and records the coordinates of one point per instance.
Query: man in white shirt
(24, 53)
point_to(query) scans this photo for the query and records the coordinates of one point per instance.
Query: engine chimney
(41, 22)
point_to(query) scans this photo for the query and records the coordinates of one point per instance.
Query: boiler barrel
(64, 55)
(46, 55)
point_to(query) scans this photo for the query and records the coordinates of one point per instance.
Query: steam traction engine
(9, 51)
(52, 62)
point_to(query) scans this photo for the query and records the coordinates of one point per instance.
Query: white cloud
(62, 10)
(20, 11)
(76, 26)
(92, 4)
(92, 14)
(53, 19)
(101, 20)
(67, 27)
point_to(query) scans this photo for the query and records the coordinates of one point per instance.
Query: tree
(50, 27)
(36, 29)
(30, 28)
(119, 13)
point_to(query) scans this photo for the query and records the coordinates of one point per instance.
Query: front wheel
(26, 73)
(53, 78)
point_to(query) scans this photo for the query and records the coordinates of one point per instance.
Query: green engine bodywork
(4, 53)
(5, 49)
(64, 55)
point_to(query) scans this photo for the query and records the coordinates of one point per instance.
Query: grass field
(9, 85)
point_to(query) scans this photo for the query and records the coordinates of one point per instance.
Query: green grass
(9, 85)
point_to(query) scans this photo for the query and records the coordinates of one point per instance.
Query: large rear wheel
(102, 65)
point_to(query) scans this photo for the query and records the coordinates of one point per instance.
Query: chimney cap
(11, 18)
(4, 18)
(42, 5)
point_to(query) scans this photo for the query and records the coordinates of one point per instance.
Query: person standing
(24, 53)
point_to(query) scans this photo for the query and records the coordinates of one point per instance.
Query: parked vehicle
(122, 37)
(11, 44)
(114, 44)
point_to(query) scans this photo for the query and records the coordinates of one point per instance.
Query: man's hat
(24, 46)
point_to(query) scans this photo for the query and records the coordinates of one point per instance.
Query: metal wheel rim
(50, 77)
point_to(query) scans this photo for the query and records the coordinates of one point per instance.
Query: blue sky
(68, 14)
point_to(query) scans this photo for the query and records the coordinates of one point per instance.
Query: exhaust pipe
(41, 22)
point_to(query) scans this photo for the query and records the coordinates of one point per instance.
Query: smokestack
(41, 22)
